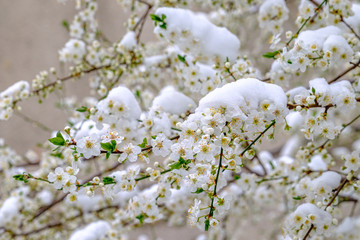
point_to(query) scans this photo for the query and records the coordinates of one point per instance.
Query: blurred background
(31, 35)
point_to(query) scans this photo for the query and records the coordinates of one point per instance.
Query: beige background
(31, 35)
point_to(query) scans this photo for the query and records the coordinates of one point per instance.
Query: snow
(317, 164)
(93, 231)
(247, 92)
(172, 101)
(194, 32)
(128, 42)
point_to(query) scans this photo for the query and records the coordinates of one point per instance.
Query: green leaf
(155, 17)
(198, 190)
(179, 164)
(107, 146)
(313, 90)
(271, 54)
(65, 24)
(207, 224)
(236, 177)
(21, 177)
(113, 143)
(157, 20)
(144, 143)
(182, 58)
(58, 140)
(272, 165)
(59, 135)
(58, 155)
(297, 198)
(137, 93)
(108, 180)
(82, 109)
(176, 165)
(163, 25)
(141, 218)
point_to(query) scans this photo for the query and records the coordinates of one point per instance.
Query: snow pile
(172, 101)
(93, 231)
(196, 34)
(18, 91)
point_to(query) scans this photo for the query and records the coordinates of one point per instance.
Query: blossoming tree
(197, 128)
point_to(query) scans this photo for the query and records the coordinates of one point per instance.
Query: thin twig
(211, 212)
(328, 140)
(142, 20)
(306, 21)
(342, 185)
(44, 209)
(351, 29)
(59, 223)
(71, 76)
(257, 138)
(33, 122)
(355, 65)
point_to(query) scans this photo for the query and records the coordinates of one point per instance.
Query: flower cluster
(319, 102)
(65, 180)
(10, 96)
(195, 129)
(272, 15)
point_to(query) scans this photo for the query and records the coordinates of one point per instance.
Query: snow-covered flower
(59, 177)
(129, 152)
(205, 151)
(70, 184)
(89, 146)
(161, 145)
(352, 161)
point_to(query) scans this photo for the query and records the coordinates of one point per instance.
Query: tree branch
(342, 185)
(77, 74)
(355, 65)
(351, 29)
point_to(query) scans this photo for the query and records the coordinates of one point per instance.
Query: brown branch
(120, 152)
(349, 199)
(355, 65)
(142, 20)
(77, 74)
(24, 165)
(306, 21)
(251, 171)
(342, 185)
(308, 232)
(60, 223)
(291, 106)
(262, 165)
(45, 208)
(52, 225)
(33, 122)
(328, 140)
(351, 29)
